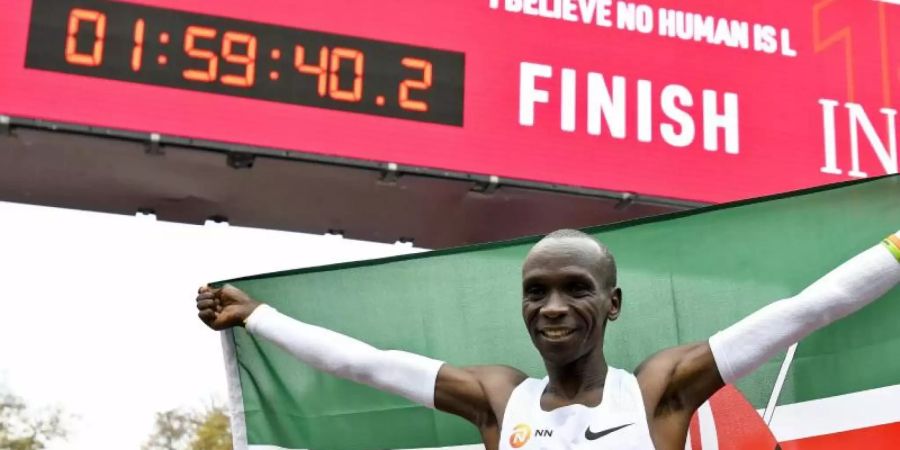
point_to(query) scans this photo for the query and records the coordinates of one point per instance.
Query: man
(570, 293)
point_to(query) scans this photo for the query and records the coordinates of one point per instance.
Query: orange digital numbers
(191, 35)
(204, 57)
(76, 16)
(248, 60)
(334, 89)
(138, 52)
(320, 70)
(423, 84)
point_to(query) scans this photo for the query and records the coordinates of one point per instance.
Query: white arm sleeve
(743, 347)
(405, 374)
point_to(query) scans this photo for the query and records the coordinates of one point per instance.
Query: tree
(185, 429)
(22, 428)
(214, 433)
(172, 431)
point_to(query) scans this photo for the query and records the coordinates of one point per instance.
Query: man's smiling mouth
(556, 333)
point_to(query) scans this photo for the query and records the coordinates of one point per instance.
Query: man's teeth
(556, 333)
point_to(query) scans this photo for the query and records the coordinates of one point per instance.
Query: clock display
(157, 46)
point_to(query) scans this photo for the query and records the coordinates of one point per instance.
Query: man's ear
(615, 304)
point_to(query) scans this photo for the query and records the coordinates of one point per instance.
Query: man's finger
(207, 304)
(205, 296)
(207, 316)
(203, 289)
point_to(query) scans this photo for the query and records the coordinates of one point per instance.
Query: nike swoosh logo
(590, 435)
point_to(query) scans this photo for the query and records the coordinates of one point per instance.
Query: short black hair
(569, 233)
(607, 261)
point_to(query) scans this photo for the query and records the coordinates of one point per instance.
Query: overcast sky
(98, 311)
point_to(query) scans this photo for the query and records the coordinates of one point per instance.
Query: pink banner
(696, 100)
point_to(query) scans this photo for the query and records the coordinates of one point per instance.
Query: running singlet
(618, 423)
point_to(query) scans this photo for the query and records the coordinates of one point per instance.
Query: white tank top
(618, 423)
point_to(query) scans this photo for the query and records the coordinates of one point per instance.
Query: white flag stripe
(836, 414)
(779, 384)
(709, 437)
(235, 395)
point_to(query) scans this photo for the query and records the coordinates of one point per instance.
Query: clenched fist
(225, 307)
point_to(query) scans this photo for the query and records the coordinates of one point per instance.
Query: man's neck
(580, 381)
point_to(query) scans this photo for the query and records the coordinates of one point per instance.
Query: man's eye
(579, 290)
(534, 291)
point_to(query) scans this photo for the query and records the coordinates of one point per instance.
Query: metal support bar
(488, 186)
(153, 147)
(627, 200)
(391, 173)
(238, 160)
(4, 126)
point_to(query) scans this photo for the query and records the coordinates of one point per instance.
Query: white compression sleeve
(405, 374)
(746, 345)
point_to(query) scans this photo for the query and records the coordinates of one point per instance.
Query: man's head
(569, 292)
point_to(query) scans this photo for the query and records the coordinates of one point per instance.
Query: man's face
(565, 303)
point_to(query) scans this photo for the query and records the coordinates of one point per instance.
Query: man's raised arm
(695, 372)
(406, 374)
(743, 347)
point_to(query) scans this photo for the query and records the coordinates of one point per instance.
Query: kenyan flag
(684, 277)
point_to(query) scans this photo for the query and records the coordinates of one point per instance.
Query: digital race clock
(142, 44)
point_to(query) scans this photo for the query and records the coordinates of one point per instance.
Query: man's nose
(555, 307)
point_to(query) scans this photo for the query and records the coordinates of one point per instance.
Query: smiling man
(569, 295)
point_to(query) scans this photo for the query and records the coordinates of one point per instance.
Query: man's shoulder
(497, 375)
(498, 381)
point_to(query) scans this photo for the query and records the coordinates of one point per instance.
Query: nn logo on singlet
(522, 433)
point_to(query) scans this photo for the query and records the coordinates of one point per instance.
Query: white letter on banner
(786, 49)
(644, 19)
(567, 108)
(588, 10)
(645, 111)
(603, 13)
(828, 126)
(625, 16)
(603, 105)
(569, 8)
(740, 34)
(704, 28)
(666, 22)
(568, 12)
(528, 93)
(631, 17)
(514, 6)
(495, 4)
(671, 110)
(728, 120)
(550, 11)
(859, 118)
